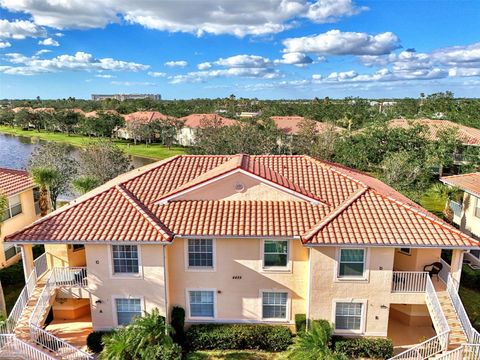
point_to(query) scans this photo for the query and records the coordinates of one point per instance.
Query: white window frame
(8, 210)
(476, 209)
(200, 318)
(366, 262)
(201, 268)
(7, 247)
(287, 268)
(287, 310)
(363, 316)
(114, 305)
(114, 275)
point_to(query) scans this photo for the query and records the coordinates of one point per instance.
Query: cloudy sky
(251, 48)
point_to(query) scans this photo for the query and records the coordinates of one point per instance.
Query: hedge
(470, 278)
(300, 323)
(94, 340)
(178, 325)
(238, 337)
(356, 348)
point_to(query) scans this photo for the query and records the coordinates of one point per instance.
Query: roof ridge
(426, 215)
(145, 212)
(337, 211)
(460, 175)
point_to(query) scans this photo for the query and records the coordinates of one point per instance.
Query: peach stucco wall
(239, 299)
(225, 190)
(469, 222)
(417, 259)
(63, 255)
(104, 286)
(16, 223)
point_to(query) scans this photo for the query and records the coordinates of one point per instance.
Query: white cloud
(248, 17)
(20, 29)
(4, 44)
(49, 42)
(178, 63)
(59, 34)
(467, 56)
(105, 76)
(204, 66)
(296, 58)
(132, 83)
(201, 76)
(43, 51)
(25, 65)
(336, 42)
(157, 74)
(244, 61)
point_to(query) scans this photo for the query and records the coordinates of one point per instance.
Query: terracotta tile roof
(198, 120)
(14, 181)
(361, 210)
(467, 135)
(291, 124)
(145, 117)
(97, 112)
(467, 182)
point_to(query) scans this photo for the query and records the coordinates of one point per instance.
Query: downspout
(309, 285)
(165, 289)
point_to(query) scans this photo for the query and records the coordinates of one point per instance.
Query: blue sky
(250, 48)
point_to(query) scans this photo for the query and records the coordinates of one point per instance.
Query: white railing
(425, 349)
(436, 344)
(473, 335)
(58, 346)
(463, 352)
(443, 274)
(43, 302)
(12, 347)
(40, 265)
(71, 276)
(409, 281)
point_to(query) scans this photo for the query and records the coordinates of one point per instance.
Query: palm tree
(86, 183)
(44, 177)
(314, 344)
(447, 193)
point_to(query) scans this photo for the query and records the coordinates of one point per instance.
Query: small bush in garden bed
(364, 348)
(300, 322)
(238, 337)
(94, 340)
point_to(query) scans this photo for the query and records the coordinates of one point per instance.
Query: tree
(57, 157)
(102, 160)
(314, 344)
(106, 123)
(67, 120)
(44, 177)
(448, 194)
(147, 337)
(85, 184)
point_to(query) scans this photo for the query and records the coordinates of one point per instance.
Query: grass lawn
(233, 355)
(154, 151)
(471, 301)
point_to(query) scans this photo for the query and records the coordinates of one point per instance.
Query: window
(36, 200)
(201, 303)
(274, 305)
(275, 253)
(14, 207)
(200, 253)
(352, 263)
(477, 208)
(406, 251)
(127, 309)
(125, 259)
(11, 251)
(348, 316)
(78, 247)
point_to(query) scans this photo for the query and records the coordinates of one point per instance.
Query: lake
(15, 152)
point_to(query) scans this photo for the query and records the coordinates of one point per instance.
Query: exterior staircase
(457, 335)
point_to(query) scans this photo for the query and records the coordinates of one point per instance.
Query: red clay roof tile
(14, 181)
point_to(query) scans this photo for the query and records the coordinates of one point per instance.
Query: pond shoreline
(152, 152)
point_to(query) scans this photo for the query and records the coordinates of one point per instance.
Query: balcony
(457, 211)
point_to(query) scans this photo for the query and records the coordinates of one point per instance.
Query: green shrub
(94, 340)
(365, 347)
(300, 322)
(178, 325)
(470, 278)
(238, 337)
(12, 275)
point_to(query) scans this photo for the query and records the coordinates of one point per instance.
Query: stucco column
(27, 259)
(456, 266)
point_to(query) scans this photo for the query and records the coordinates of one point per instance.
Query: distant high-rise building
(122, 97)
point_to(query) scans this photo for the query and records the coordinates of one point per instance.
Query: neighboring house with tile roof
(467, 135)
(22, 209)
(139, 118)
(467, 212)
(291, 125)
(191, 123)
(253, 239)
